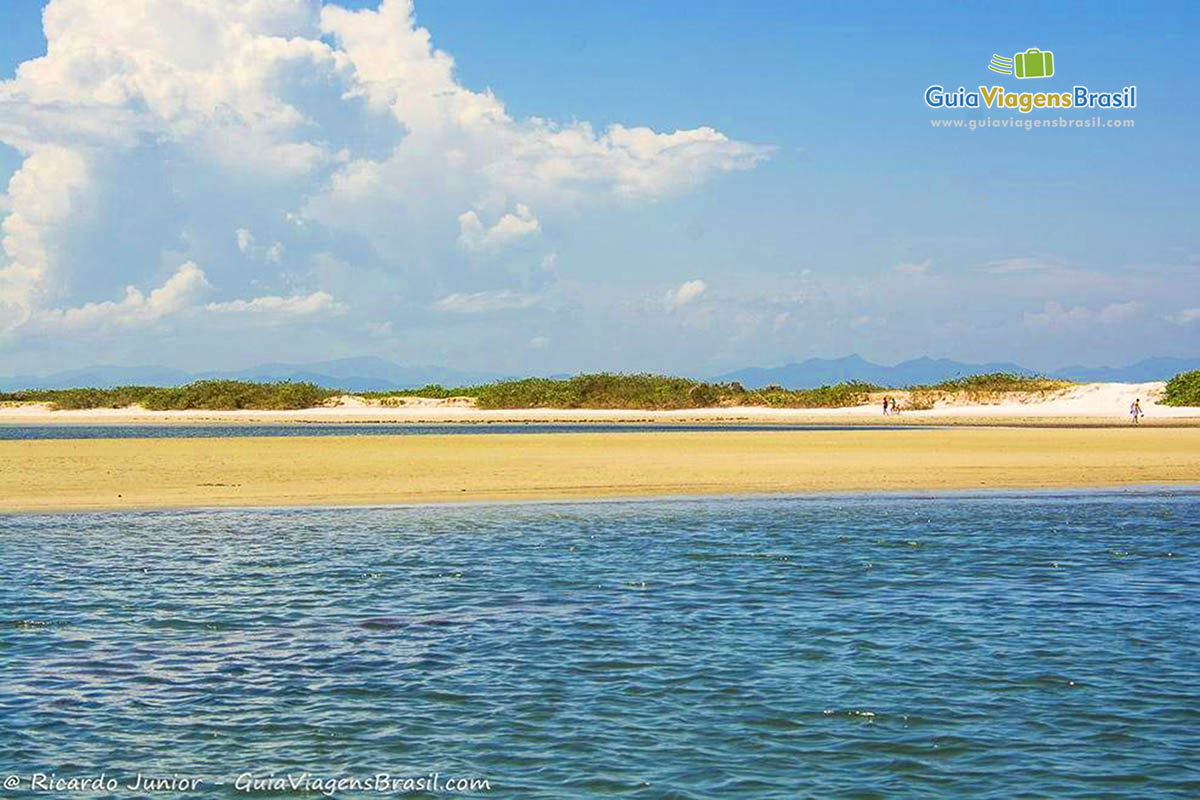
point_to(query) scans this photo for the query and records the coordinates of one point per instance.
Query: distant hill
(377, 374)
(353, 374)
(821, 371)
(367, 373)
(101, 377)
(1150, 369)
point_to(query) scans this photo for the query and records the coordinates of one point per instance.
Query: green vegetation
(1183, 389)
(997, 382)
(981, 388)
(839, 395)
(118, 397)
(209, 395)
(430, 390)
(600, 390)
(639, 391)
(603, 390)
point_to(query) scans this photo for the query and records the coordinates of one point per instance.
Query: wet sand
(64, 475)
(973, 416)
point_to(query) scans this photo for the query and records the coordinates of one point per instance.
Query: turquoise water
(938, 646)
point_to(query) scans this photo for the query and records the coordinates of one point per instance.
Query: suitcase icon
(1034, 63)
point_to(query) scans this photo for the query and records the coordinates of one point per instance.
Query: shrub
(230, 395)
(600, 390)
(838, 395)
(117, 397)
(997, 382)
(1183, 389)
(597, 390)
(431, 390)
(211, 395)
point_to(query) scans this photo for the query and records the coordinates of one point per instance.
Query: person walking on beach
(1135, 411)
(885, 404)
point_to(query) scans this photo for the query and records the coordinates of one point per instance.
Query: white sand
(1085, 400)
(1086, 403)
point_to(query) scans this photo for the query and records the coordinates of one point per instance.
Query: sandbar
(97, 474)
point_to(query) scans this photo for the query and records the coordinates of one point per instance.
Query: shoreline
(294, 471)
(1083, 405)
(966, 416)
(1125, 491)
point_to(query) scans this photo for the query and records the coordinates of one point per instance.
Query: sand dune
(1085, 404)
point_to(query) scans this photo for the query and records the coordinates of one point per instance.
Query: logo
(1033, 63)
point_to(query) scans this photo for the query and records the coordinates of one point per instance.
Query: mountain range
(377, 374)
(820, 371)
(353, 374)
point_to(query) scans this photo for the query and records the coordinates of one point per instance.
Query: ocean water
(186, 431)
(945, 646)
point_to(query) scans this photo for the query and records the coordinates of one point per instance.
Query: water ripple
(843, 647)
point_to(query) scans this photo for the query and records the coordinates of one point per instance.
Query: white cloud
(1056, 315)
(42, 198)
(686, 293)
(136, 309)
(510, 228)
(245, 240)
(149, 131)
(539, 343)
(482, 302)
(1184, 317)
(273, 305)
(248, 246)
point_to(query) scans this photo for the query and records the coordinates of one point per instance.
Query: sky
(545, 187)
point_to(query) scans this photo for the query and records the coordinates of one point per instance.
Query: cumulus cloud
(149, 131)
(686, 293)
(539, 343)
(43, 198)
(136, 309)
(296, 305)
(507, 230)
(482, 302)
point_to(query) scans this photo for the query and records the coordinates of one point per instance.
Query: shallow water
(936, 646)
(186, 431)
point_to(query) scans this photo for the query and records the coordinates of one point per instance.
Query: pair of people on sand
(890, 406)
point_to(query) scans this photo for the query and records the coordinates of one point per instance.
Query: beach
(69, 475)
(1083, 405)
(439, 451)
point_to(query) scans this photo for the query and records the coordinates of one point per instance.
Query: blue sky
(821, 216)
